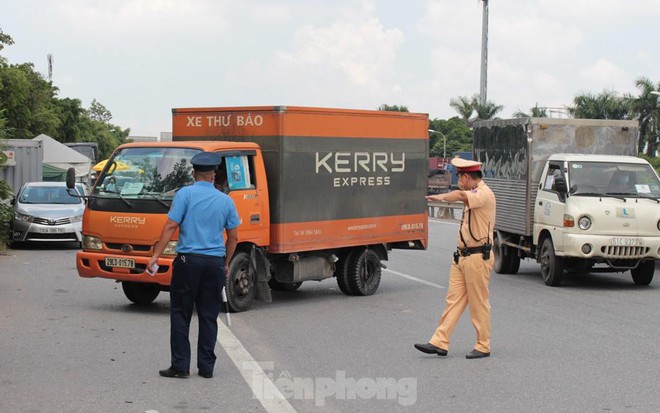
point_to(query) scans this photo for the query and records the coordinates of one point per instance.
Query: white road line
(410, 277)
(254, 376)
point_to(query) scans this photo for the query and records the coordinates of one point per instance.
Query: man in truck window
(201, 213)
(469, 275)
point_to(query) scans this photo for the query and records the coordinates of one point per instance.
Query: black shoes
(429, 348)
(476, 354)
(205, 375)
(172, 372)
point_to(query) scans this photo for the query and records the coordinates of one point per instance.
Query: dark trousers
(197, 281)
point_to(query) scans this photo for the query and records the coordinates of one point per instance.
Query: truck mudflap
(260, 268)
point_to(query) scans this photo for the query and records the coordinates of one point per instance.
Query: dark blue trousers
(197, 281)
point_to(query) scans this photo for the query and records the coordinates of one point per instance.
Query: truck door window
(553, 172)
(239, 171)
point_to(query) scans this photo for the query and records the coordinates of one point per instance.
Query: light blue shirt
(202, 213)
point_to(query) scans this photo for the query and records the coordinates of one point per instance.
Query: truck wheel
(278, 286)
(241, 285)
(507, 261)
(341, 273)
(643, 274)
(363, 273)
(552, 266)
(140, 293)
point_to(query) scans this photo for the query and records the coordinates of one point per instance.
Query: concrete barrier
(444, 210)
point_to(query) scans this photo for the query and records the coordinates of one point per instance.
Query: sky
(141, 58)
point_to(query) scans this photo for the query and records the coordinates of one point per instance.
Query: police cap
(205, 161)
(464, 165)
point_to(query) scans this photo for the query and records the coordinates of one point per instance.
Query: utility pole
(484, 55)
(50, 67)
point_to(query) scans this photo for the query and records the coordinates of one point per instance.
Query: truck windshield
(145, 173)
(606, 178)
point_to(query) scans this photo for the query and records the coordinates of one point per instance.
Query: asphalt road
(69, 344)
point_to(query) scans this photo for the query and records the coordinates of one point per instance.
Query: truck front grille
(624, 252)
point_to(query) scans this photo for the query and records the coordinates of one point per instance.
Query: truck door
(550, 205)
(238, 177)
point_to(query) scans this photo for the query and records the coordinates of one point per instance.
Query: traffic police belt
(465, 251)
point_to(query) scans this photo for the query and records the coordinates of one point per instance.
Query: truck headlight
(658, 225)
(91, 243)
(584, 223)
(170, 248)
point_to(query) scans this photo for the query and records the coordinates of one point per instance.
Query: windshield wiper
(650, 197)
(165, 204)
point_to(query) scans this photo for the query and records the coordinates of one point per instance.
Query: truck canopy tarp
(61, 156)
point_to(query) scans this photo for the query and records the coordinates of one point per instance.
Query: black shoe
(476, 354)
(429, 348)
(172, 372)
(205, 375)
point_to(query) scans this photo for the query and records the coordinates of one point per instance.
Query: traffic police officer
(469, 275)
(201, 213)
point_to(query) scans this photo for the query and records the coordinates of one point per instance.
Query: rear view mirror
(71, 178)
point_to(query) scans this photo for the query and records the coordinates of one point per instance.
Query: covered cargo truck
(320, 193)
(571, 195)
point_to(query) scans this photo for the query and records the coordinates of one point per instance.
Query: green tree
(99, 112)
(605, 105)
(464, 106)
(456, 132)
(535, 112)
(489, 110)
(393, 108)
(646, 111)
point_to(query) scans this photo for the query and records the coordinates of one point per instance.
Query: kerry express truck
(320, 193)
(571, 195)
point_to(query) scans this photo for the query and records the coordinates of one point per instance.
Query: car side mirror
(13, 201)
(71, 178)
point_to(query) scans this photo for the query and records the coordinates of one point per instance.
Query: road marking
(419, 280)
(254, 376)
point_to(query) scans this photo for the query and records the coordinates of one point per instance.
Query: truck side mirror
(560, 184)
(71, 178)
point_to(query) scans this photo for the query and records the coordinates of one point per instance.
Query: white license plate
(48, 230)
(627, 242)
(119, 262)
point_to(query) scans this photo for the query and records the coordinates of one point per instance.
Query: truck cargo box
(336, 177)
(514, 151)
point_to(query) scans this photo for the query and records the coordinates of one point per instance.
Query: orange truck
(320, 193)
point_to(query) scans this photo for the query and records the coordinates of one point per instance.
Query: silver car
(44, 211)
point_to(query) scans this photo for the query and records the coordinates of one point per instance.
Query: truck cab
(597, 209)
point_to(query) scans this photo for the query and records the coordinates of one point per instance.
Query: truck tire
(552, 266)
(643, 274)
(341, 273)
(506, 260)
(241, 285)
(278, 286)
(363, 273)
(140, 293)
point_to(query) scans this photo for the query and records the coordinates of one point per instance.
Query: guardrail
(444, 210)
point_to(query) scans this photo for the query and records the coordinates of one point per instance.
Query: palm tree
(487, 111)
(464, 106)
(645, 107)
(537, 112)
(606, 105)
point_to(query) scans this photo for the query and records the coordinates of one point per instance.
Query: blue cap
(205, 161)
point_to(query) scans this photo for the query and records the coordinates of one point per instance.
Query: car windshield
(606, 178)
(36, 194)
(146, 173)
